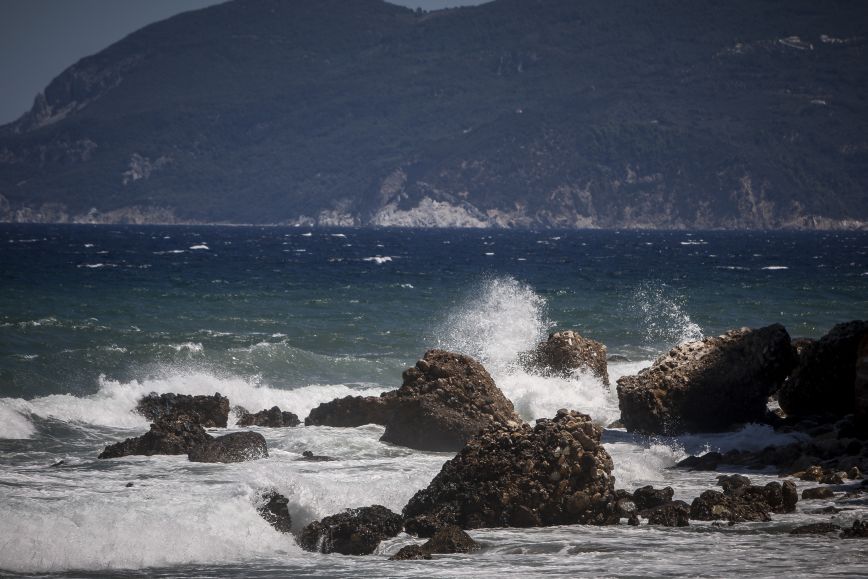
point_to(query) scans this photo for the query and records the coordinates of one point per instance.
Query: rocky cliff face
(554, 113)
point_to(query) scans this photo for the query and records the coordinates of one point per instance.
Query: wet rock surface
(274, 417)
(553, 473)
(671, 514)
(273, 507)
(816, 493)
(234, 447)
(742, 501)
(825, 379)
(213, 411)
(708, 385)
(171, 435)
(816, 529)
(449, 539)
(444, 400)
(566, 352)
(352, 532)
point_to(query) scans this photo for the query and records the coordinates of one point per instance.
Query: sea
(94, 317)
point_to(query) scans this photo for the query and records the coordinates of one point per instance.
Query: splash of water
(661, 316)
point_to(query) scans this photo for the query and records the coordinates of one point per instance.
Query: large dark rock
(273, 418)
(648, 497)
(213, 411)
(671, 514)
(352, 532)
(743, 501)
(172, 435)
(234, 447)
(273, 507)
(830, 371)
(859, 530)
(565, 352)
(449, 539)
(443, 401)
(554, 473)
(708, 385)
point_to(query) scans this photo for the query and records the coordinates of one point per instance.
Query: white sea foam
(13, 425)
(378, 259)
(541, 396)
(170, 252)
(775, 267)
(200, 246)
(192, 347)
(97, 265)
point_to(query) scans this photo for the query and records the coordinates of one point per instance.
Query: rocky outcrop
(671, 514)
(859, 530)
(648, 497)
(553, 473)
(816, 493)
(234, 447)
(273, 507)
(172, 435)
(567, 352)
(449, 539)
(825, 380)
(741, 501)
(213, 411)
(444, 400)
(272, 418)
(708, 385)
(352, 532)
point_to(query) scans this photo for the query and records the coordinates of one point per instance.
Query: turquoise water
(91, 318)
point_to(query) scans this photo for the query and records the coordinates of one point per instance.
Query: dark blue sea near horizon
(94, 317)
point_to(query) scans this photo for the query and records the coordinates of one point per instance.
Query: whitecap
(775, 267)
(200, 246)
(96, 265)
(378, 259)
(338, 235)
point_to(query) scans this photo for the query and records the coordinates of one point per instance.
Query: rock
(234, 447)
(272, 418)
(444, 400)
(708, 385)
(171, 435)
(713, 505)
(825, 379)
(273, 508)
(743, 501)
(448, 539)
(352, 532)
(790, 496)
(410, 552)
(670, 514)
(309, 456)
(648, 497)
(565, 352)
(553, 473)
(816, 529)
(859, 530)
(822, 475)
(732, 483)
(213, 411)
(817, 493)
(854, 473)
(708, 461)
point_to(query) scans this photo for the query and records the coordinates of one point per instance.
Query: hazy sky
(41, 38)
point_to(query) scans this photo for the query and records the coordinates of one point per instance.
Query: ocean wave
(200, 246)
(379, 260)
(775, 267)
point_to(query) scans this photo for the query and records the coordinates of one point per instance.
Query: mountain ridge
(532, 113)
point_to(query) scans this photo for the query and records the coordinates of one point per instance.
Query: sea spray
(659, 315)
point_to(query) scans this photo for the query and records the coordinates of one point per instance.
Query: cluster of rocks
(444, 400)
(716, 383)
(274, 417)
(178, 427)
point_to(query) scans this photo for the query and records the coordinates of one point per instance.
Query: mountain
(515, 113)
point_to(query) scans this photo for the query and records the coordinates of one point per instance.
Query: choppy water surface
(92, 318)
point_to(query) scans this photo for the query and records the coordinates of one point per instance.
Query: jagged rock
(825, 380)
(309, 456)
(648, 497)
(708, 461)
(859, 530)
(553, 473)
(213, 411)
(172, 435)
(670, 514)
(708, 385)
(234, 447)
(410, 552)
(817, 493)
(713, 505)
(443, 401)
(273, 418)
(352, 532)
(449, 539)
(273, 508)
(816, 529)
(822, 475)
(565, 352)
(743, 501)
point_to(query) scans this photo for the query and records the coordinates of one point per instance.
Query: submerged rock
(565, 352)
(273, 507)
(309, 456)
(449, 539)
(859, 530)
(443, 401)
(272, 418)
(816, 529)
(213, 411)
(708, 385)
(554, 473)
(817, 493)
(825, 380)
(169, 435)
(234, 447)
(352, 532)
